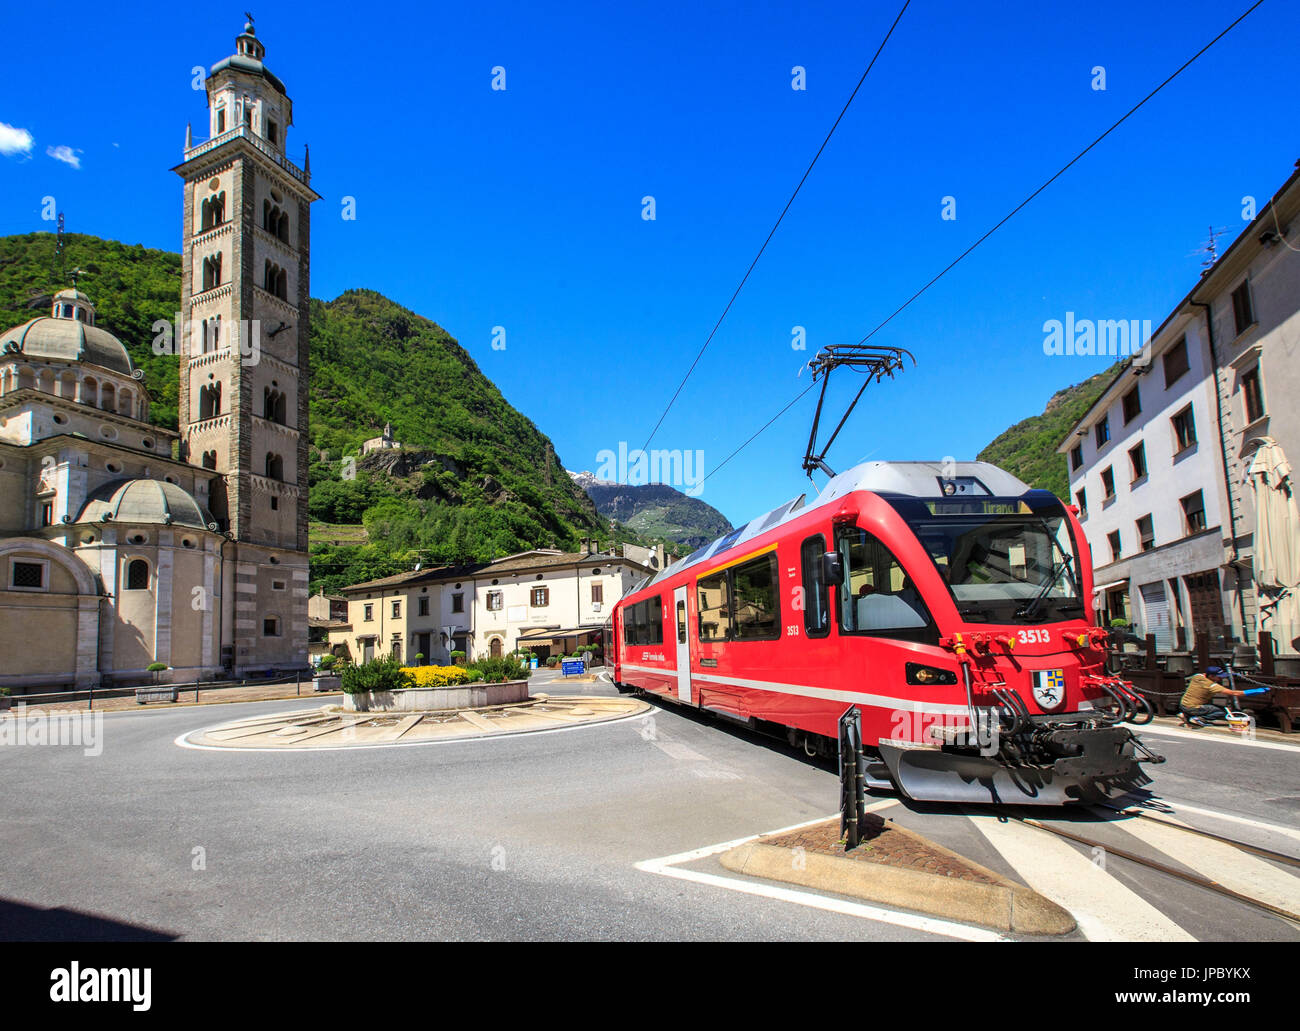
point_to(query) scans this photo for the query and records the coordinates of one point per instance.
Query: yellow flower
(436, 676)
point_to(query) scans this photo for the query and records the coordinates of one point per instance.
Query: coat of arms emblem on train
(1049, 688)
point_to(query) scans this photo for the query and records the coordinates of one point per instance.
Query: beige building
(544, 601)
(1159, 464)
(113, 553)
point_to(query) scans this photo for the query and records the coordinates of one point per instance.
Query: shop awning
(538, 641)
(1106, 587)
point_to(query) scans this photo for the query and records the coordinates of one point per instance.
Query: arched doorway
(496, 647)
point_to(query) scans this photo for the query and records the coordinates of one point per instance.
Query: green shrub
(1119, 622)
(156, 667)
(327, 662)
(496, 671)
(384, 674)
(473, 676)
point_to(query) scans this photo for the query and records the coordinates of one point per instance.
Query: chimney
(584, 546)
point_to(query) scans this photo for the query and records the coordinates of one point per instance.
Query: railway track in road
(1186, 876)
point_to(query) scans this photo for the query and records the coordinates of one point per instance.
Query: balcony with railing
(246, 132)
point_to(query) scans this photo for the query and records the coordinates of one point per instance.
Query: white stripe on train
(852, 697)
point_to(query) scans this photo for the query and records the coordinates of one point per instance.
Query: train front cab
(1011, 707)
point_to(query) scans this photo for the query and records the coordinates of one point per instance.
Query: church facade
(124, 544)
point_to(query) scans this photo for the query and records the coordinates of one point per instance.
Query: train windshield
(1005, 560)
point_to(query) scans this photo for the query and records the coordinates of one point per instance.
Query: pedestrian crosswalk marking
(1105, 909)
(1236, 870)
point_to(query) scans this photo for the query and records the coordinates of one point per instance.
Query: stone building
(121, 543)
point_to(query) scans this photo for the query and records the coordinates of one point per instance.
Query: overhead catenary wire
(745, 278)
(1064, 168)
(1014, 211)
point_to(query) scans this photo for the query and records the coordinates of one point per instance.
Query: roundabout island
(333, 726)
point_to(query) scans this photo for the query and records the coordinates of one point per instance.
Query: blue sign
(571, 666)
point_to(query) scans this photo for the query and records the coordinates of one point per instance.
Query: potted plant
(419, 658)
(325, 679)
(458, 657)
(155, 668)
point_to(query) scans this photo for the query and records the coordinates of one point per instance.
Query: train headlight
(927, 676)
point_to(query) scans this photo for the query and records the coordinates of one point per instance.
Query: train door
(683, 646)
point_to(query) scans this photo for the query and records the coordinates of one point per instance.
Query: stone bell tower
(244, 366)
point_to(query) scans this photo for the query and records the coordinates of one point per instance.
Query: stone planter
(327, 682)
(424, 699)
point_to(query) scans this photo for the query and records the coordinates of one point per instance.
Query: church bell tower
(244, 365)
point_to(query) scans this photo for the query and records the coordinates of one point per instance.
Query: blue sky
(523, 208)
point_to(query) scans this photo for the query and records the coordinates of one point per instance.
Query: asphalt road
(530, 837)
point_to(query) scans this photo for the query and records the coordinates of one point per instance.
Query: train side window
(816, 612)
(877, 596)
(713, 604)
(756, 610)
(636, 621)
(681, 622)
(654, 617)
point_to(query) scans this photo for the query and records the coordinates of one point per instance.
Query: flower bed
(425, 699)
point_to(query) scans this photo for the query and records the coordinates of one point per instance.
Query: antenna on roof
(868, 359)
(1210, 248)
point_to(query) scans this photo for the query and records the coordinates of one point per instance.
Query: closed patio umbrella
(1277, 545)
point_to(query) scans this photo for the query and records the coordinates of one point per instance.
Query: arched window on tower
(275, 405)
(209, 459)
(282, 227)
(210, 401)
(212, 271)
(274, 466)
(137, 575)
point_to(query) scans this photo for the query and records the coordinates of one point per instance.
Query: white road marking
(1236, 870)
(668, 866)
(1215, 739)
(1180, 807)
(1105, 909)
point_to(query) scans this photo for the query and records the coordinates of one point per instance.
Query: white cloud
(65, 154)
(14, 141)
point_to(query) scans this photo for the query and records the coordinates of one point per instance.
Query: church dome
(69, 333)
(145, 501)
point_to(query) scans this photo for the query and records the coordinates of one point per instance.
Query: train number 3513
(1035, 637)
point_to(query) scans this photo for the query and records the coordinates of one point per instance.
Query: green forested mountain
(1028, 449)
(474, 479)
(131, 286)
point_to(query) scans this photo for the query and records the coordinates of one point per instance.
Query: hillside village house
(1160, 465)
(544, 601)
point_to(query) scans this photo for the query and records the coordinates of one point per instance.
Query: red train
(949, 603)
